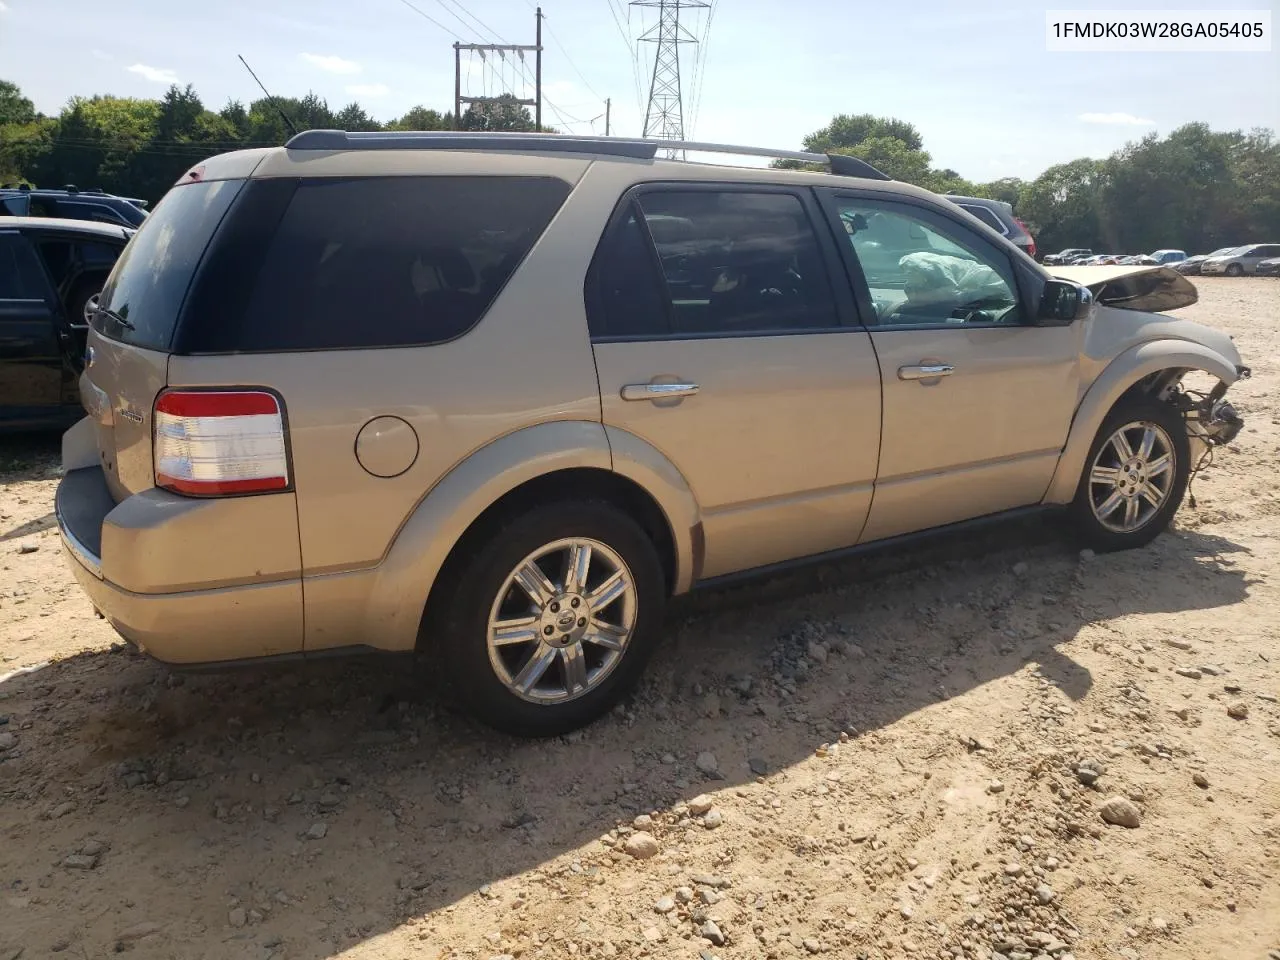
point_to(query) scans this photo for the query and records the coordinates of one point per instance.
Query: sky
(975, 78)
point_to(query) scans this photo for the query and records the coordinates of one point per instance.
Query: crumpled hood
(1149, 289)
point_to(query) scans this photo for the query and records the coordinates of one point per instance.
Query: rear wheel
(552, 619)
(1134, 477)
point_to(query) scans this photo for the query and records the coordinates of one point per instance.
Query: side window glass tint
(11, 285)
(389, 261)
(926, 270)
(19, 273)
(628, 299)
(987, 217)
(738, 262)
(98, 255)
(56, 255)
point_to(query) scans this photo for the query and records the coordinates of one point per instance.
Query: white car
(1240, 261)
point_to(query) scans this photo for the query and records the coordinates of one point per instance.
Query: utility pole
(519, 49)
(608, 106)
(664, 116)
(537, 120)
(457, 87)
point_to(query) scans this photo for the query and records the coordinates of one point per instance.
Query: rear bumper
(237, 622)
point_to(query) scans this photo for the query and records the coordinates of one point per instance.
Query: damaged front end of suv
(1129, 329)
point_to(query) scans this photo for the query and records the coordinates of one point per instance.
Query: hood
(1146, 288)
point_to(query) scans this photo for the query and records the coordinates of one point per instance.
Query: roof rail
(557, 143)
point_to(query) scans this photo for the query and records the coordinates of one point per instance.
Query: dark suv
(71, 203)
(998, 215)
(50, 274)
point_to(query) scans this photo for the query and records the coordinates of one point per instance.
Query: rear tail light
(1031, 241)
(220, 443)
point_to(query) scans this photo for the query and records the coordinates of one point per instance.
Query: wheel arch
(1147, 367)
(535, 464)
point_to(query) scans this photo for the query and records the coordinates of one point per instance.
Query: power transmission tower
(664, 116)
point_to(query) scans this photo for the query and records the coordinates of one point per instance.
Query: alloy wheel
(561, 620)
(1132, 476)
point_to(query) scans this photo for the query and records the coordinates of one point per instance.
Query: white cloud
(154, 74)
(1116, 119)
(4, 7)
(368, 90)
(330, 64)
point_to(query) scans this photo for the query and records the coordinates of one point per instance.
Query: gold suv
(503, 395)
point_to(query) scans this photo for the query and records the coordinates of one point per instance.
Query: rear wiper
(111, 314)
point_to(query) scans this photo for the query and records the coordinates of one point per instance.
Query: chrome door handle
(926, 371)
(658, 391)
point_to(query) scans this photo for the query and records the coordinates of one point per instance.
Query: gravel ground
(992, 747)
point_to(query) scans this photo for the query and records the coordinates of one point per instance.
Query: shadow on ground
(203, 787)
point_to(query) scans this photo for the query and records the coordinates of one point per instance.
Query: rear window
(375, 262)
(149, 283)
(987, 217)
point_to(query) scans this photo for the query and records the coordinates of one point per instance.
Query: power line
(631, 53)
(700, 68)
(484, 28)
(426, 16)
(569, 60)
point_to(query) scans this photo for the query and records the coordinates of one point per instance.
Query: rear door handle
(926, 371)
(658, 391)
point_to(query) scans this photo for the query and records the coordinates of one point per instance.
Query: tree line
(1195, 189)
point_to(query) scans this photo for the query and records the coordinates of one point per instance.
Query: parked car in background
(1268, 268)
(72, 203)
(1191, 265)
(1240, 261)
(1136, 260)
(998, 215)
(1069, 255)
(341, 396)
(50, 272)
(1169, 256)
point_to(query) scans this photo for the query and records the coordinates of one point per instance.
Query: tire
(485, 675)
(1105, 530)
(80, 295)
(1234, 270)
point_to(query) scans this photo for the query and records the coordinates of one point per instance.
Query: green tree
(421, 118)
(353, 117)
(501, 115)
(1062, 205)
(14, 107)
(846, 131)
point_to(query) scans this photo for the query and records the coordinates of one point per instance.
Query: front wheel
(1134, 477)
(1234, 270)
(553, 618)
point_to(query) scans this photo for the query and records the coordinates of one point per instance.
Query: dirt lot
(904, 757)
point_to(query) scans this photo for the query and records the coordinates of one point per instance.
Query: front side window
(707, 262)
(924, 269)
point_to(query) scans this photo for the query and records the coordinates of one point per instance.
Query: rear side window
(383, 262)
(144, 294)
(704, 262)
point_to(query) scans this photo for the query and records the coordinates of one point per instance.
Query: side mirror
(1061, 303)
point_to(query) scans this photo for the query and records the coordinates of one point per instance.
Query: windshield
(144, 294)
